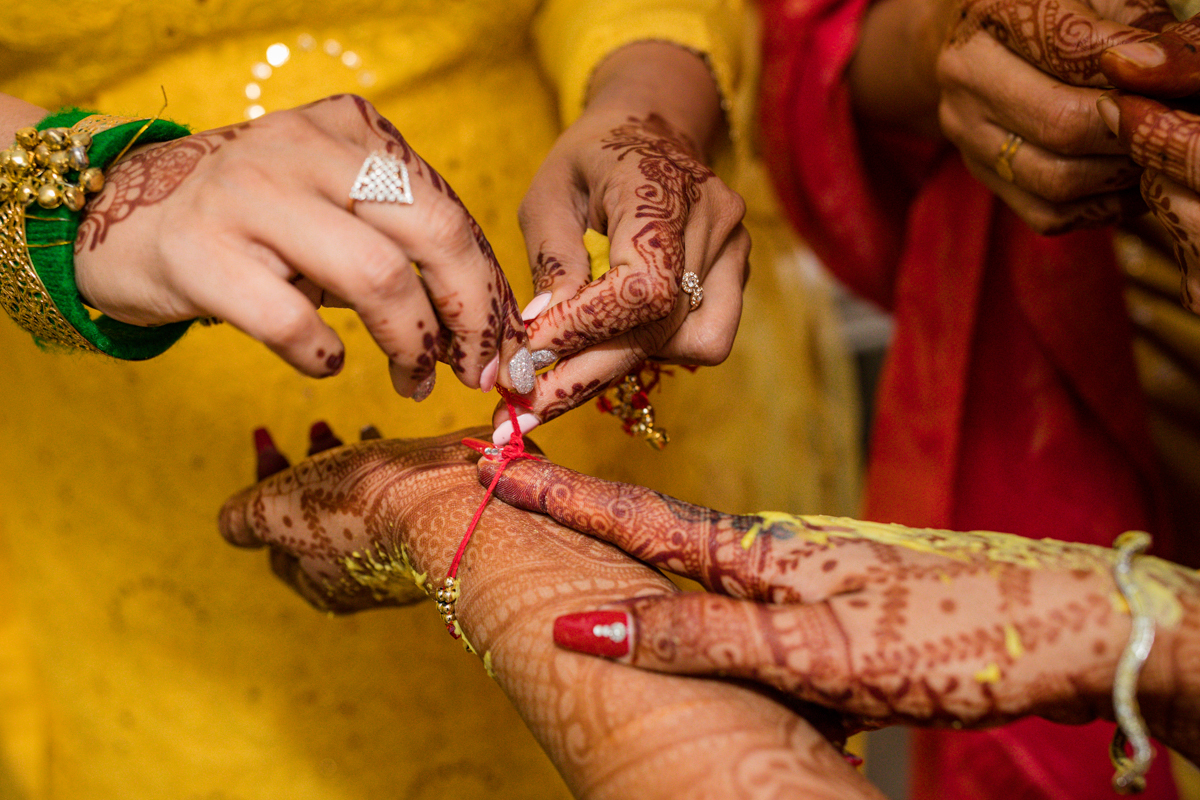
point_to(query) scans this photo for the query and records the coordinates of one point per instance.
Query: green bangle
(50, 236)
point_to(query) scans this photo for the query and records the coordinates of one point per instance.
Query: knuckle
(1065, 127)
(381, 272)
(287, 326)
(1059, 181)
(448, 227)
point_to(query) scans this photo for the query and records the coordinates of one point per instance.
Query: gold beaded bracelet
(45, 179)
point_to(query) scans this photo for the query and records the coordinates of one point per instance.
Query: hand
(886, 623)
(341, 525)
(1162, 138)
(1029, 68)
(250, 224)
(355, 525)
(625, 168)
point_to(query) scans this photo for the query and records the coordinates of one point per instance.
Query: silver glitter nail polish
(424, 388)
(520, 371)
(543, 358)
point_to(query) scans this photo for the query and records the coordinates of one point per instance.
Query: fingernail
(369, 432)
(487, 378)
(1141, 54)
(425, 387)
(1110, 113)
(597, 633)
(543, 358)
(520, 371)
(321, 438)
(504, 430)
(536, 306)
(335, 363)
(269, 459)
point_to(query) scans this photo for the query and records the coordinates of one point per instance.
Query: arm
(611, 731)
(886, 623)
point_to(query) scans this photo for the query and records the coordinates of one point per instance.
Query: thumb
(799, 649)
(1166, 65)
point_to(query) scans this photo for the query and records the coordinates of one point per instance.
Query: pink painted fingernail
(504, 430)
(596, 633)
(1110, 113)
(536, 306)
(487, 378)
(425, 388)
(1141, 54)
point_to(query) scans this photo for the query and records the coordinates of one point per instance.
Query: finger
(268, 459)
(1049, 218)
(1063, 38)
(267, 308)
(1052, 176)
(801, 650)
(725, 553)
(354, 261)
(1157, 137)
(707, 333)
(580, 377)
(321, 438)
(1177, 208)
(235, 520)
(1059, 118)
(459, 270)
(553, 224)
(1166, 65)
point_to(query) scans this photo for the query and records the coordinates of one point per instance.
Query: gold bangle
(22, 294)
(1130, 777)
(34, 170)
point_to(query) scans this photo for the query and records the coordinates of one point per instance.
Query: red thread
(512, 451)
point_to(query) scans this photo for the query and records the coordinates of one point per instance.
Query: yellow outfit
(140, 656)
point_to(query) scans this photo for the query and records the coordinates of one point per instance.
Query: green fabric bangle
(55, 263)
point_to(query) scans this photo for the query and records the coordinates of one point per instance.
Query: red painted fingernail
(597, 633)
(270, 460)
(321, 438)
(369, 432)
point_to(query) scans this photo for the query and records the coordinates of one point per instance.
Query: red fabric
(1009, 400)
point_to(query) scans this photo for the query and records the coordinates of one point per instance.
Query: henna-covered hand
(251, 224)
(1030, 68)
(1164, 140)
(885, 623)
(637, 173)
(364, 524)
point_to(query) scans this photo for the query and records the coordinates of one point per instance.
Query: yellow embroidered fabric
(142, 657)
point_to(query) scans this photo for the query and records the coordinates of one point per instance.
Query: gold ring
(695, 292)
(1004, 159)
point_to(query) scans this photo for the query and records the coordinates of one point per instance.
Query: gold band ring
(1003, 164)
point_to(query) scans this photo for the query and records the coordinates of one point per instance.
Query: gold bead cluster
(35, 169)
(446, 597)
(632, 406)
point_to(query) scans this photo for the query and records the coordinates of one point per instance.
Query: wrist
(662, 78)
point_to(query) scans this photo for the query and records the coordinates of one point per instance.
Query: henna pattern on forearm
(144, 179)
